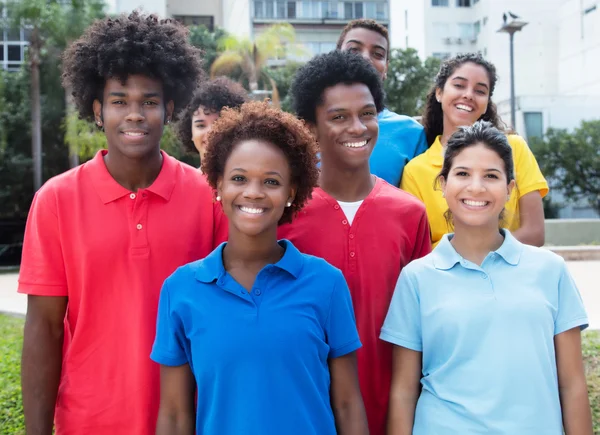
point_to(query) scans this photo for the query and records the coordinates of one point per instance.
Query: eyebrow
(487, 170)
(341, 109)
(356, 41)
(123, 94)
(462, 78)
(266, 173)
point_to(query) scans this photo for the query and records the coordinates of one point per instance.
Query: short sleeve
(571, 312)
(422, 239)
(528, 176)
(402, 325)
(421, 143)
(42, 269)
(340, 327)
(169, 345)
(409, 184)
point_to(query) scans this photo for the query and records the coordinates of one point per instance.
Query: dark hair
(213, 95)
(482, 132)
(259, 120)
(433, 116)
(327, 70)
(364, 23)
(129, 45)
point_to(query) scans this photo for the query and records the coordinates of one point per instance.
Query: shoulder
(516, 142)
(419, 162)
(188, 174)
(63, 186)
(399, 198)
(389, 117)
(319, 269)
(544, 258)
(420, 268)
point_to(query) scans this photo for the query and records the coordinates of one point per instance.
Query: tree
(208, 42)
(571, 161)
(283, 77)
(408, 81)
(251, 56)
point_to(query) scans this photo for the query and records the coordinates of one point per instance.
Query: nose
(366, 55)
(254, 190)
(357, 127)
(135, 113)
(476, 185)
(468, 93)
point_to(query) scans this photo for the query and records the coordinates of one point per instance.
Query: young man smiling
(401, 138)
(355, 220)
(101, 238)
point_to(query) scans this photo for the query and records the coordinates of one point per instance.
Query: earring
(218, 198)
(443, 194)
(168, 120)
(289, 204)
(99, 123)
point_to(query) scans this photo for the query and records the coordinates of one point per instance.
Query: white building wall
(407, 25)
(237, 17)
(158, 7)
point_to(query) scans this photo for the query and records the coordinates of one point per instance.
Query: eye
(369, 113)
(272, 182)
(338, 117)
(378, 55)
(480, 92)
(353, 49)
(494, 176)
(461, 174)
(150, 103)
(458, 86)
(238, 178)
(118, 102)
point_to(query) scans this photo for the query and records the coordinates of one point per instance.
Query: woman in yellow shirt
(460, 96)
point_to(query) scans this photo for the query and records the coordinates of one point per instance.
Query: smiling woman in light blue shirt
(485, 327)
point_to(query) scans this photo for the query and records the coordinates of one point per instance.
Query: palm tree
(251, 56)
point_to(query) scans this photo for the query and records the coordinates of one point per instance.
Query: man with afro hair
(206, 105)
(101, 238)
(356, 221)
(401, 138)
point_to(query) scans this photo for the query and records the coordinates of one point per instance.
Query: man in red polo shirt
(356, 221)
(101, 238)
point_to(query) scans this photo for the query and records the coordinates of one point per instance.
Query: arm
(577, 419)
(405, 390)
(41, 361)
(346, 399)
(176, 413)
(531, 214)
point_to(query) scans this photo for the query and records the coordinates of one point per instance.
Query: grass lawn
(11, 409)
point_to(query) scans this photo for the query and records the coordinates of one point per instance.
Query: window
(441, 56)
(195, 20)
(439, 3)
(13, 45)
(484, 21)
(466, 31)
(381, 11)
(534, 124)
(347, 10)
(311, 9)
(259, 10)
(330, 10)
(281, 6)
(358, 10)
(371, 8)
(477, 28)
(463, 3)
(291, 10)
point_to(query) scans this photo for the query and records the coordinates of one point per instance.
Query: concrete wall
(572, 232)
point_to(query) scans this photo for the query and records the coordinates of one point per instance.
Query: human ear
(169, 108)
(510, 188)
(97, 108)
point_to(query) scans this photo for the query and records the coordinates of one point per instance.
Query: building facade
(13, 43)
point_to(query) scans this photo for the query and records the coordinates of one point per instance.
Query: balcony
(334, 12)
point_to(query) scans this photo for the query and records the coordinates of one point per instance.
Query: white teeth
(252, 210)
(131, 133)
(463, 107)
(475, 203)
(355, 144)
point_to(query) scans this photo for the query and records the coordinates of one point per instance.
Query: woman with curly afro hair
(204, 109)
(102, 238)
(257, 326)
(462, 94)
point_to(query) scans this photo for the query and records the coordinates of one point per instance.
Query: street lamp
(511, 27)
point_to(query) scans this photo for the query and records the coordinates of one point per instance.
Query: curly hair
(259, 120)
(364, 23)
(129, 45)
(327, 70)
(213, 95)
(433, 116)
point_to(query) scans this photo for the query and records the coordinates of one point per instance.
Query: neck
(133, 174)
(348, 185)
(448, 131)
(252, 252)
(475, 244)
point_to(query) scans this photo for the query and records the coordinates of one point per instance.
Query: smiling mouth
(252, 210)
(464, 108)
(134, 133)
(472, 203)
(360, 144)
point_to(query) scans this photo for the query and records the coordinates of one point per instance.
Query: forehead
(257, 154)
(366, 37)
(472, 72)
(478, 156)
(347, 96)
(205, 112)
(134, 83)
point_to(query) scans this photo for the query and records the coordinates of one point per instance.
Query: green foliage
(11, 406)
(591, 358)
(408, 81)
(208, 42)
(283, 77)
(571, 161)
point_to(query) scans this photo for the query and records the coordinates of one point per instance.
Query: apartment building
(13, 44)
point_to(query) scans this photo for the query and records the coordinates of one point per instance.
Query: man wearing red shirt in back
(356, 221)
(101, 238)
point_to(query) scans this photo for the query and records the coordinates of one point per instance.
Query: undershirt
(350, 209)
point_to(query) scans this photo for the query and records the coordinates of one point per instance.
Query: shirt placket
(350, 239)
(139, 230)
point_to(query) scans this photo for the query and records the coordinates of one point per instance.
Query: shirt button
(132, 196)
(144, 195)
(345, 222)
(257, 292)
(484, 276)
(351, 236)
(352, 254)
(139, 226)
(337, 207)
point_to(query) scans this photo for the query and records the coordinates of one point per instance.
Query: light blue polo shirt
(487, 338)
(260, 358)
(401, 138)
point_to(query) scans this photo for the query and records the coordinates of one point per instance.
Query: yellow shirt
(421, 172)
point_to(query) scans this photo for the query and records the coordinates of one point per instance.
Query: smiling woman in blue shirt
(486, 328)
(267, 334)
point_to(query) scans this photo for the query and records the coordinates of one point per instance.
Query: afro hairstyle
(327, 70)
(364, 23)
(137, 44)
(213, 95)
(261, 121)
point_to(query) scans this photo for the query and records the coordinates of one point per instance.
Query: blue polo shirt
(401, 138)
(260, 358)
(487, 338)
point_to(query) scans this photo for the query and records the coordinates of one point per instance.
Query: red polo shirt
(389, 230)
(109, 250)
